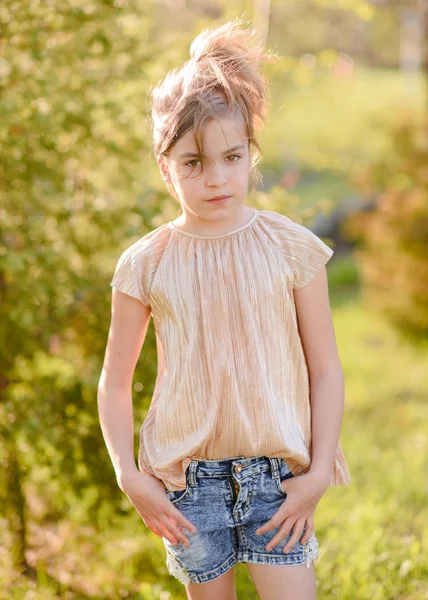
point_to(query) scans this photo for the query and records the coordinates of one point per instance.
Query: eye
(195, 160)
(189, 164)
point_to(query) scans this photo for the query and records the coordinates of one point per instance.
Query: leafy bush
(392, 249)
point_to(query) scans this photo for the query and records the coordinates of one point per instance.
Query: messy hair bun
(221, 77)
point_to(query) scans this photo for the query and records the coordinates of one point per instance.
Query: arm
(326, 396)
(325, 372)
(307, 255)
(129, 322)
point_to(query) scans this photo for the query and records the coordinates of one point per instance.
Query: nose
(216, 176)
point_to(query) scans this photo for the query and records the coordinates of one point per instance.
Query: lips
(218, 198)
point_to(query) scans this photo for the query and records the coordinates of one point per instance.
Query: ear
(164, 170)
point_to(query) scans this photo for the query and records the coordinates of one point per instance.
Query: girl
(242, 436)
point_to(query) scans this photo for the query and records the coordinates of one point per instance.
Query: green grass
(377, 527)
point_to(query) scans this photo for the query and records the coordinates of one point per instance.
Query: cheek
(183, 184)
(190, 192)
(190, 187)
(241, 174)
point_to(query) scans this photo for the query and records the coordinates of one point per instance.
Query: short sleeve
(128, 277)
(306, 253)
(136, 268)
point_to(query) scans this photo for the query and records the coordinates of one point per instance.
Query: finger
(174, 528)
(160, 530)
(297, 532)
(166, 533)
(309, 528)
(284, 530)
(157, 528)
(273, 523)
(181, 519)
(148, 523)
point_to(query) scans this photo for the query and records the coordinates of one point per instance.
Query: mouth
(218, 198)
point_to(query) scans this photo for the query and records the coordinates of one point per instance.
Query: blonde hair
(220, 79)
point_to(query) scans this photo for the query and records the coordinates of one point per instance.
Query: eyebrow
(233, 149)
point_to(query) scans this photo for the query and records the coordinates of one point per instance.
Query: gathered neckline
(214, 237)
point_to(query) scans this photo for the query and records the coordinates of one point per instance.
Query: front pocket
(282, 474)
(175, 496)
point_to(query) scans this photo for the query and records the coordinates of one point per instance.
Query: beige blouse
(232, 378)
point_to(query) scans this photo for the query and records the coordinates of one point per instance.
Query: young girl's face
(223, 171)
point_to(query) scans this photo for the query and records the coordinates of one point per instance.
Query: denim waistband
(226, 466)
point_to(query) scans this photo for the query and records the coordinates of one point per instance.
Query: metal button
(238, 468)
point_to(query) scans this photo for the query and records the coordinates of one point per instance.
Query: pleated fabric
(232, 377)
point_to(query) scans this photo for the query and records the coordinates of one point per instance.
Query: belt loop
(274, 465)
(193, 465)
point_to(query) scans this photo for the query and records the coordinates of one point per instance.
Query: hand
(303, 494)
(147, 494)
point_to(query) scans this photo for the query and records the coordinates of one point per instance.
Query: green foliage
(393, 238)
(73, 77)
(343, 277)
(322, 120)
(281, 200)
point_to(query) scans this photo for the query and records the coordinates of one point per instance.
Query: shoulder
(304, 251)
(277, 223)
(154, 242)
(289, 232)
(138, 263)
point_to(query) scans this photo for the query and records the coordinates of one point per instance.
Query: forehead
(219, 135)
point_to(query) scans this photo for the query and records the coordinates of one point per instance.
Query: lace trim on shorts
(176, 570)
(311, 549)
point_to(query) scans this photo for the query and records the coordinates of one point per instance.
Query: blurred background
(345, 153)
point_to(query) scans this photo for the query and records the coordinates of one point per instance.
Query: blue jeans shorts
(228, 500)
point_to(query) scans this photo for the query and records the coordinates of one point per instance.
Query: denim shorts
(227, 500)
